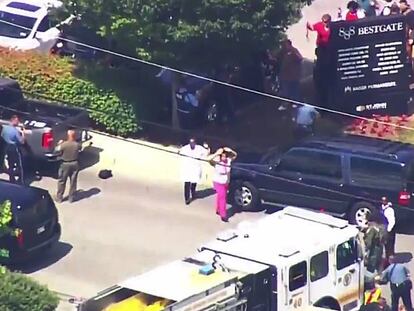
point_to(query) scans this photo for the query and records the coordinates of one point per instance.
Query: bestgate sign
(370, 61)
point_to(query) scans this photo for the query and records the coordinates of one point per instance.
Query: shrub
(53, 78)
(19, 292)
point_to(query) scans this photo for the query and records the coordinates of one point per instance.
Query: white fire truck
(289, 260)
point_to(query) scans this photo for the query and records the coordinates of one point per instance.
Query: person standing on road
(221, 160)
(399, 278)
(69, 168)
(388, 219)
(14, 137)
(373, 245)
(193, 155)
(290, 64)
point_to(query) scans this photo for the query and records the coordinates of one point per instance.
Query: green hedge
(19, 292)
(53, 77)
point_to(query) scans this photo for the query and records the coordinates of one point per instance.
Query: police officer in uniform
(14, 139)
(69, 168)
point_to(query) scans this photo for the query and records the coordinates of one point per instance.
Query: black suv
(345, 176)
(34, 222)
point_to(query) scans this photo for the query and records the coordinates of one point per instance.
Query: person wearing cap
(193, 155)
(388, 219)
(398, 276)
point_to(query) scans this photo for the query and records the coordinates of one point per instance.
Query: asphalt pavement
(124, 226)
(121, 227)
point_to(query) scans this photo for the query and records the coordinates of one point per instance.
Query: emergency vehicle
(289, 260)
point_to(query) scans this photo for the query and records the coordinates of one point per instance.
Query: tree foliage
(191, 32)
(53, 77)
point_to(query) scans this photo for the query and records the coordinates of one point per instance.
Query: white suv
(26, 24)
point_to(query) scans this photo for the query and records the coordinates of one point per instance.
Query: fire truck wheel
(359, 213)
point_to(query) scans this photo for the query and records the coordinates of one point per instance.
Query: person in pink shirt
(221, 160)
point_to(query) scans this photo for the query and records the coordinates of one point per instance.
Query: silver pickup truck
(44, 123)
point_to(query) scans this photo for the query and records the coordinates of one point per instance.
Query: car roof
(364, 146)
(25, 8)
(20, 195)
(317, 231)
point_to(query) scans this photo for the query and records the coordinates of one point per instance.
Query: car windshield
(15, 26)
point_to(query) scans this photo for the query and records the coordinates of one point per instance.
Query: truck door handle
(352, 271)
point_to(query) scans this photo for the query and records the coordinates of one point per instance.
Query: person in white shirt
(193, 155)
(388, 216)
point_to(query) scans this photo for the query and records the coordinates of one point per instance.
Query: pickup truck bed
(45, 123)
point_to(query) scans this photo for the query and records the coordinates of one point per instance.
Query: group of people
(356, 9)
(18, 163)
(193, 156)
(380, 235)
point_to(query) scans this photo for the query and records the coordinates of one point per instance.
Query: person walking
(221, 160)
(388, 220)
(14, 138)
(398, 276)
(374, 247)
(69, 167)
(192, 167)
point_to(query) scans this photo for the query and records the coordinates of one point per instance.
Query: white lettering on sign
(369, 30)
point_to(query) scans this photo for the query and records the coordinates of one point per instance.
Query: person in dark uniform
(14, 139)
(69, 168)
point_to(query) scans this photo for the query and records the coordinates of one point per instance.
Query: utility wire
(153, 64)
(177, 153)
(228, 85)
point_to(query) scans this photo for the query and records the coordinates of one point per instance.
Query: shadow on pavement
(46, 259)
(84, 194)
(90, 156)
(403, 257)
(202, 194)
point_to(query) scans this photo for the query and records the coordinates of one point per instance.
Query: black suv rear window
(376, 174)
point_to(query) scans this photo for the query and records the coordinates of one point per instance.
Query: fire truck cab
(289, 260)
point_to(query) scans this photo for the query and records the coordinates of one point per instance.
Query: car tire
(359, 213)
(245, 196)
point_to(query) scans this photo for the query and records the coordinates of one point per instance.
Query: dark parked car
(35, 223)
(343, 176)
